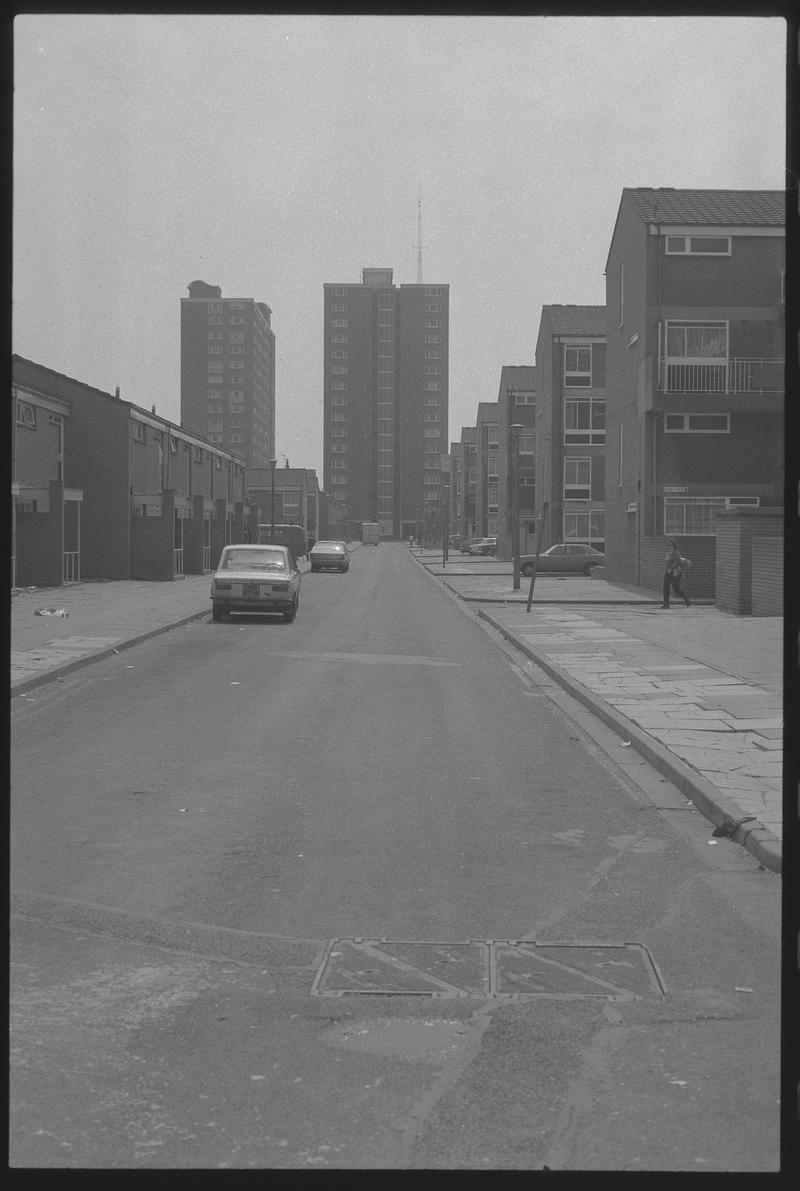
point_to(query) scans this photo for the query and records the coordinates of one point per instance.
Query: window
(173, 446)
(213, 394)
(339, 339)
(340, 384)
(432, 384)
(138, 431)
(217, 461)
(236, 364)
(213, 423)
(432, 370)
(433, 339)
(527, 443)
(432, 355)
(235, 437)
(523, 398)
(235, 422)
(697, 424)
(236, 306)
(340, 369)
(338, 479)
(340, 463)
(340, 306)
(432, 434)
(698, 245)
(433, 307)
(214, 366)
(236, 407)
(577, 479)
(584, 422)
(215, 349)
(214, 320)
(693, 516)
(339, 448)
(198, 454)
(339, 399)
(339, 289)
(586, 525)
(215, 334)
(431, 415)
(492, 497)
(236, 394)
(432, 291)
(236, 349)
(339, 322)
(339, 431)
(578, 367)
(696, 357)
(236, 337)
(432, 322)
(339, 416)
(236, 319)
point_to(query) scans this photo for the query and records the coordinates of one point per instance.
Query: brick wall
(736, 530)
(152, 542)
(40, 543)
(767, 577)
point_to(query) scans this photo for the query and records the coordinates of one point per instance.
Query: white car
(329, 555)
(259, 579)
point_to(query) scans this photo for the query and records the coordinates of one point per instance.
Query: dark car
(569, 557)
(484, 546)
(329, 556)
(467, 542)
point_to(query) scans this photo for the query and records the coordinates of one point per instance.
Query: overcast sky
(271, 154)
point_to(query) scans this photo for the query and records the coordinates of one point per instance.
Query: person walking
(674, 566)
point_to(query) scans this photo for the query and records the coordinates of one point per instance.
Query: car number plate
(251, 589)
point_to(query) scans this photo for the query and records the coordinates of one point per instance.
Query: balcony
(734, 376)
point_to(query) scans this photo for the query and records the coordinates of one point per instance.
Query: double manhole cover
(484, 968)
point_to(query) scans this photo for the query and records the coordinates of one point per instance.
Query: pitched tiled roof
(576, 320)
(723, 207)
(522, 375)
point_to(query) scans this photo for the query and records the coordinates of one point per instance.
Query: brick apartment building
(516, 405)
(464, 457)
(695, 380)
(385, 401)
(152, 501)
(571, 423)
(228, 372)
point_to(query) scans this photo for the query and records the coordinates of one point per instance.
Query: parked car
(570, 557)
(257, 578)
(454, 541)
(467, 542)
(483, 546)
(330, 555)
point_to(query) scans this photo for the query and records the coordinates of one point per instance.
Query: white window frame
(588, 436)
(578, 525)
(690, 245)
(671, 504)
(574, 488)
(686, 427)
(577, 378)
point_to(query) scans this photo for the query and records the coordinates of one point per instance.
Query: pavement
(695, 691)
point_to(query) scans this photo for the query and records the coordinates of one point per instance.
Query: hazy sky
(271, 154)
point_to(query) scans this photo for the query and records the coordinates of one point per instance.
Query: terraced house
(695, 387)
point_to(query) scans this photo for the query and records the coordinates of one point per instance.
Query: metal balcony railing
(206, 558)
(72, 566)
(177, 561)
(735, 375)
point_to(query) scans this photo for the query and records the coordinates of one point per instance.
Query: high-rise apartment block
(385, 399)
(228, 372)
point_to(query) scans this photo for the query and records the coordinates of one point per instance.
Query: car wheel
(313, 569)
(527, 570)
(216, 613)
(587, 570)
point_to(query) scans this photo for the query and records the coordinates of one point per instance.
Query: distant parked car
(484, 546)
(570, 557)
(454, 541)
(329, 556)
(467, 542)
(262, 578)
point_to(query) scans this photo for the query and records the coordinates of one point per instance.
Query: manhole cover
(482, 968)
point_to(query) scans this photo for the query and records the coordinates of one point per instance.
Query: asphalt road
(195, 821)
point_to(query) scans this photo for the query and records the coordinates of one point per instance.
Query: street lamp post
(272, 464)
(515, 429)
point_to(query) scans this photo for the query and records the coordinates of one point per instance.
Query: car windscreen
(329, 547)
(253, 560)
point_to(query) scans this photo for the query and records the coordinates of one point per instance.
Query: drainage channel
(512, 969)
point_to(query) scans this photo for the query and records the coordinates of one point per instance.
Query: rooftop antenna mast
(419, 235)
